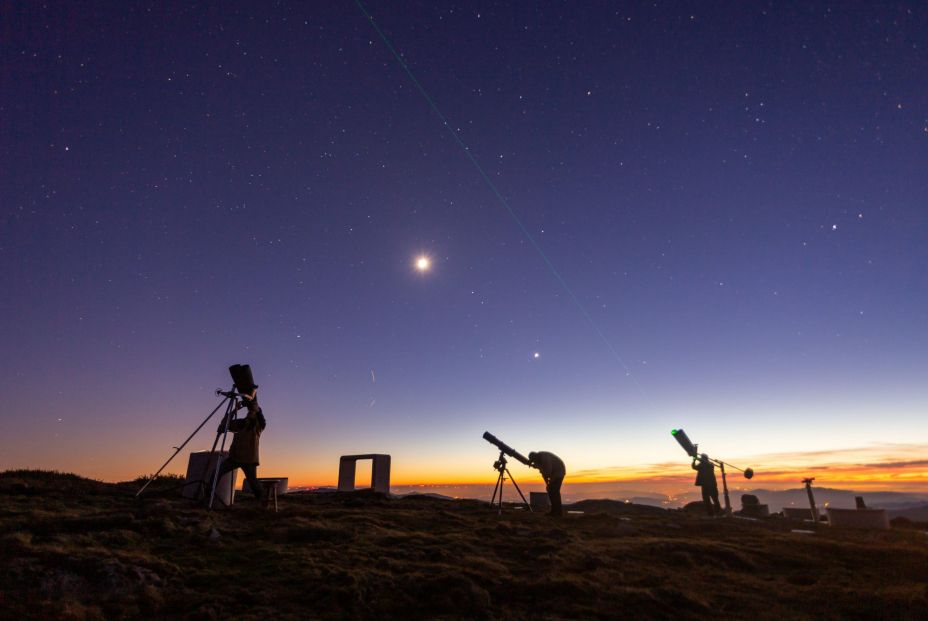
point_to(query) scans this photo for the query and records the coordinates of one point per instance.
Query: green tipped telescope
(505, 448)
(692, 450)
(684, 441)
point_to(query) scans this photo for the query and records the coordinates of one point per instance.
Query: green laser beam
(512, 214)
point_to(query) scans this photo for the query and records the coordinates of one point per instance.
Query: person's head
(532, 456)
(704, 457)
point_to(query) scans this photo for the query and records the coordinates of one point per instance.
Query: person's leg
(707, 500)
(715, 501)
(228, 465)
(554, 494)
(251, 475)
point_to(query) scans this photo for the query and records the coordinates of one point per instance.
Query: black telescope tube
(244, 380)
(489, 437)
(684, 441)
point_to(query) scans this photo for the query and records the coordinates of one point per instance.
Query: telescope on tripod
(500, 465)
(693, 451)
(243, 390)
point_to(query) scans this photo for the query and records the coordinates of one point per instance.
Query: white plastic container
(199, 481)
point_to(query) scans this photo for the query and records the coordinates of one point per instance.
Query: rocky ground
(71, 548)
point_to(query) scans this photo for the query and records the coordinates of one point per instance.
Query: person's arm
(243, 424)
(222, 425)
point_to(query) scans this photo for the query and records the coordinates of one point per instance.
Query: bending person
(552, 471)
(705, 478)
(243, 453)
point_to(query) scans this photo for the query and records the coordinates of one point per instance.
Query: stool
(270, 490)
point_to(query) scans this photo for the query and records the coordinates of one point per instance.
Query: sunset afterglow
(577, 233)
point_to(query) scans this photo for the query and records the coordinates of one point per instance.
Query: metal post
(808, 483)
(725, 487)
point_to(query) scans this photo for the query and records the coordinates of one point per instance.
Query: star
(423, 263)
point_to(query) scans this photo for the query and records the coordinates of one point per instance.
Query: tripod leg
(502, 481)
(225, 432)
(179, 448)
(497, 488)
(520, 491)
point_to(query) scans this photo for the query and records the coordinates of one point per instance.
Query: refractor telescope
(693, 451)
(505, 448)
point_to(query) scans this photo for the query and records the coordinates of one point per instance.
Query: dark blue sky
(734, 193)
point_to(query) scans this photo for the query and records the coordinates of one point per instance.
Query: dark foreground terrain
(71, 548)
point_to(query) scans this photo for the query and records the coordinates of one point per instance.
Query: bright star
(423, 263)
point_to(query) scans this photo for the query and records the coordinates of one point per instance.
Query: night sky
(638, 216)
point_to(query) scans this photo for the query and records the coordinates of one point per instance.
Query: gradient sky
(707, 215)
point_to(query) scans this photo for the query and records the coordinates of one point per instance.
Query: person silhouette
(705, 478)
(552, 471)
(243, 453)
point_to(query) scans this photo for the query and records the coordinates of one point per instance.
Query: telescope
(684, 441)
(693, 451)
(242, 378)
(505, 448)
(243, 388)
(501, 467)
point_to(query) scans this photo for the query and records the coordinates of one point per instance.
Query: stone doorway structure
(380, 472)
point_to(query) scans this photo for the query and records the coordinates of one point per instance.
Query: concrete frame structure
(380, 472)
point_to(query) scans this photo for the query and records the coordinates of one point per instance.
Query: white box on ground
(281, 484)
(199, 481)
(870, 519)
(539, 501)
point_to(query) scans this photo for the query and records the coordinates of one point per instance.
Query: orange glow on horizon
(902, 468)
(671, 480)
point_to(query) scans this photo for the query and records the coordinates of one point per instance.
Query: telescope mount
(501, 466)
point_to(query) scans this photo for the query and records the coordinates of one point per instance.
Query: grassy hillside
(77, 549)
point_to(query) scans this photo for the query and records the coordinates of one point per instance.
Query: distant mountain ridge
(838, 498)
(895, 502)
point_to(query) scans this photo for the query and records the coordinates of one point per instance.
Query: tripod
(501, 467)
(228, 401)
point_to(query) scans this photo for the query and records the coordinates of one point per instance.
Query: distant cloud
(877, 466)
(897, 464)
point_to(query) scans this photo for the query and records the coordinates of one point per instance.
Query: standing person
(243, 453)
(552, 471)
(705, 478)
